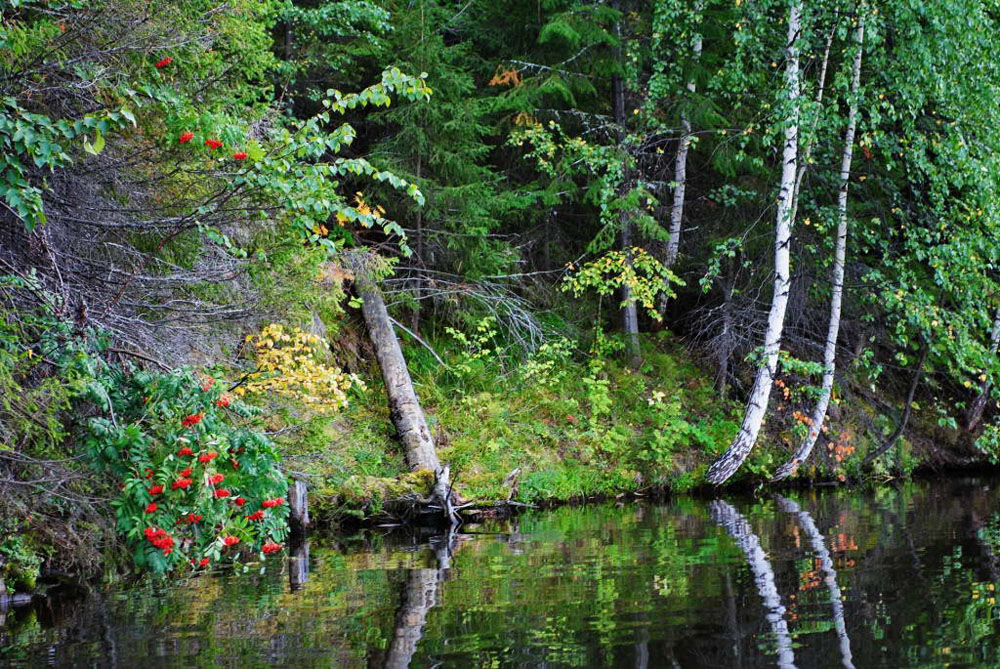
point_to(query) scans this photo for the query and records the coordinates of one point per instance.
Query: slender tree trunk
(725, 348)
(907, 410)
(739, 529)
(741, 446)
(807, 150)
(680, 170)
(419, 257)
(818, 543)
(404, 406)
(630, 315)
(975, 413)
(840, 253)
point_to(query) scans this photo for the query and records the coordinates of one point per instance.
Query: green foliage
(646, 278)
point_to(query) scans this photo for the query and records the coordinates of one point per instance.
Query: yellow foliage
(288, 364)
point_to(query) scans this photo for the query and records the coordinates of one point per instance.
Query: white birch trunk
(807, 150)
(739, 529)
(818, 543)
(741, 446)
(840, 254)
(680, 172)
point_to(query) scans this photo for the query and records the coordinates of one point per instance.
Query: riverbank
(571, 434)
(557, 427)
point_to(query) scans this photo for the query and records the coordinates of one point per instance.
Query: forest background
(625, 247)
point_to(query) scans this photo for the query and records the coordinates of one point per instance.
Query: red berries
(222, 492)
(163, 63)
(255, 516)
(191, 420)
(185, 137)
(271, 503)
(217, 479)
(230, 540)
(240, 155)
(222, 401)
(186, 473)
(240, 501)
(207, 384)
(181, 484)
(160, 539)
(149, 473)
(208, 457)
(185, 451)
(204, 561)
(151, 508)
(213, 143)
(270, 547)
(156, 490)
(193, 517)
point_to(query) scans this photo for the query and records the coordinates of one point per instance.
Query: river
(892, 577)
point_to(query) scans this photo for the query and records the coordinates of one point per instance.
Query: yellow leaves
(364, 208)
(288, 364)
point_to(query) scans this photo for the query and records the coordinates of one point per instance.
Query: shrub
(196, 487)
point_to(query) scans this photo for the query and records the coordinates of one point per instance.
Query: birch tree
(680, 162)
(840, 255)
(730, 461)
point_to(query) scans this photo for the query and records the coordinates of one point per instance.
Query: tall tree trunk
(404, 407)
(741, 446)
(680, 169)
(739, 529)
(630, 315)
(840, 254)
(818, 543)
(975, 413)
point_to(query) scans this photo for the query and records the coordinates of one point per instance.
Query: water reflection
(892, 578)
(818, 543)
(763, 575)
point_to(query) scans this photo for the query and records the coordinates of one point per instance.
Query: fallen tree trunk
(404, 406)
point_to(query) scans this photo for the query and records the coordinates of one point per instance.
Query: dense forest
(442, 254)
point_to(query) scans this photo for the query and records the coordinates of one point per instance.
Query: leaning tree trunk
(404, 407)
(840, 254)
(975, 413)
(741, 446)
(739, 529)
(680, 172)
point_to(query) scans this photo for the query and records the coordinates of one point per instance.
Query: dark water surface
(898, 577)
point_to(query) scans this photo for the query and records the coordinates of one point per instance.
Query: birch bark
(680, 171)
(840, 255)
(736, 454)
